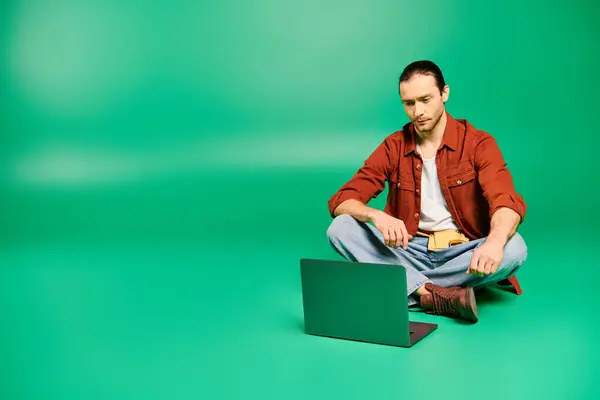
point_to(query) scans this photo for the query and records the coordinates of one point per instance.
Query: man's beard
(432, 123)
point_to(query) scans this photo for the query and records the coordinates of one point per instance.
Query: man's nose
(418, 109)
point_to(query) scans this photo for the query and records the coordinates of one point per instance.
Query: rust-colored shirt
(471, 169)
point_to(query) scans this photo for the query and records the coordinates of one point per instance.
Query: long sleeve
(495, 179)
(369, 181)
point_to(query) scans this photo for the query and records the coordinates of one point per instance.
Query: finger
(398, 241)
(497, 263)
(484, 269)
(495, 266)
(392, 236)
(481, 266)
(489, 266)
(473, 264)
(404, 237)
(398, 238)
(386, 236)
(475, 267)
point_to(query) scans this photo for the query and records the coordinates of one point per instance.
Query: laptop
(358, 301)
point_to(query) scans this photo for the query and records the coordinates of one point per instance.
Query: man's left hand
(486, 259)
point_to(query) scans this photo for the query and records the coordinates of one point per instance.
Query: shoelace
(442, 301)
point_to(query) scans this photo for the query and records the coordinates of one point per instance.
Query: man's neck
(435, 136)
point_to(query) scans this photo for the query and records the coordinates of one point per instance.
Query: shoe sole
(471, 305)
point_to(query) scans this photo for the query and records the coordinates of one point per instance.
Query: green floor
(210, 307)
(164, 166)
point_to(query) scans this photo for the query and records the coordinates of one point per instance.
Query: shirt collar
(450, 138)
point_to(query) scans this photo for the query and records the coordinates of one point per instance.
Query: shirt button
(417, 190)
(418, 166)
(416, 215)
(459, 182)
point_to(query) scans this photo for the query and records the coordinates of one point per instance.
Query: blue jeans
(362, 242)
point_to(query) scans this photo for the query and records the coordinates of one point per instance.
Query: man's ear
(445, 93)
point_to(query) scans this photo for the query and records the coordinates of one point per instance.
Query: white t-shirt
(434, 209)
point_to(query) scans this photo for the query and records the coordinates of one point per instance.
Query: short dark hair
(423, 67)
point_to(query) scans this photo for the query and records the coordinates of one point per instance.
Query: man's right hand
(393, 229)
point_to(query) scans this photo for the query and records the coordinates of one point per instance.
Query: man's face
(423, 102)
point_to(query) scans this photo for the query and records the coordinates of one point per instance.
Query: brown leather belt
(439, 240)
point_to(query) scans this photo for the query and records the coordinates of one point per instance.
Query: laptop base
(418, 330)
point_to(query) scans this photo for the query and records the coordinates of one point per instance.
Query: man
(452, 210)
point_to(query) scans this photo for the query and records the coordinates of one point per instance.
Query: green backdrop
(166, 164)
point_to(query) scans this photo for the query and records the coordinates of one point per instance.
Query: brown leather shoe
(456, 302)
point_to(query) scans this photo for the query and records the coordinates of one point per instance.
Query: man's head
(423, 92)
